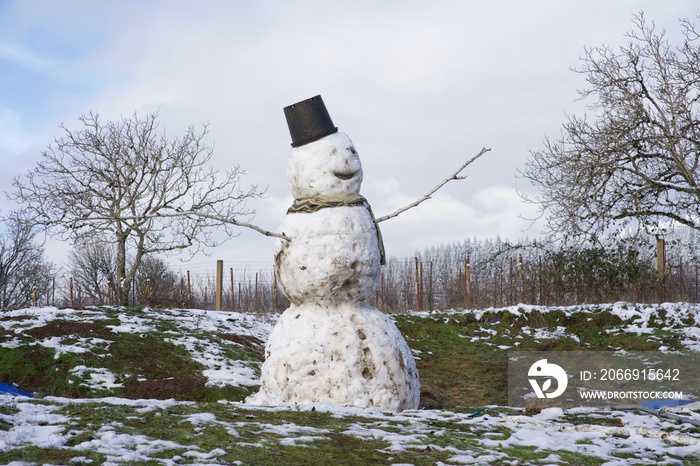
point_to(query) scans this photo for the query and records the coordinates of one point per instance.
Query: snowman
(330, 346)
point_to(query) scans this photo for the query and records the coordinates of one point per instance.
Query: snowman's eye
(352, 149)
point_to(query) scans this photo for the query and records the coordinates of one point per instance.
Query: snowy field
(119, 430)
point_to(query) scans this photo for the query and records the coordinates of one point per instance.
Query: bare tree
(23, 266)
(636, 158)
(125, 182)
(94, 270)
(162, 287)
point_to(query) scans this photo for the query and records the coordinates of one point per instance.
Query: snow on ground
(647, 439)
(220, 370)
(636, 437)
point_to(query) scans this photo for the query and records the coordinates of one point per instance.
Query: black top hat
(308, 121)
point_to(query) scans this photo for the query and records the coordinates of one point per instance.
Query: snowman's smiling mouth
(345, 176)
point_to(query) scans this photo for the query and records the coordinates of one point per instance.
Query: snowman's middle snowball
(333, 256)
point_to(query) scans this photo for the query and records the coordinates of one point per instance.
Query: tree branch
(455, 176)
(192, 213)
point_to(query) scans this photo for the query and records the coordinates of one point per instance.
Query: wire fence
(436, 280)
(417, 284)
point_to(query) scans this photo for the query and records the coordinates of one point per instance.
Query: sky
(420, 87)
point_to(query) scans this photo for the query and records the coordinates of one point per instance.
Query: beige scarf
(316, 203)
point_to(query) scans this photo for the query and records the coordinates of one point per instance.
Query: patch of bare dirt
(61, 329)
(245, 340)
(180, 388)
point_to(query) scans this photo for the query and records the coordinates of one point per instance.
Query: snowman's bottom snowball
(350, 355)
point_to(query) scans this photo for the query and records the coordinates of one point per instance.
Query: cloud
(419, 87)
(484, 213)
(413, 61)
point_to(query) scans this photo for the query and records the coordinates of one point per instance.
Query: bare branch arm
(455, 176)
(192, 213)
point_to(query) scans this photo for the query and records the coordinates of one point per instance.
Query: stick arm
(455, 176)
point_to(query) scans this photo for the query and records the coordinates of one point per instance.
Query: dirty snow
(645, 438)
(219, 369)
(329, 345)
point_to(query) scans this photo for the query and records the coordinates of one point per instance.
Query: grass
(462, 363)
(462, 360)
(43, 368)
(233, 433)
(146, 365)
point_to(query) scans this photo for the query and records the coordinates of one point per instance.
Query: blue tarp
(13, 390)
(665, 403)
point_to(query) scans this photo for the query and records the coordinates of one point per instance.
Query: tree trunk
(123, 285)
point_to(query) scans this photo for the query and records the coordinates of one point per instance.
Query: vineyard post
(539, 280)
(501, 279)
(189, 290)
(415, 259)
(661, 267)
(219, 291)
(431, 298)
(233, 298)
(421, 289)
(510, 282)
(468, 282)
(680, 285)
(70, 292)
(521, 274)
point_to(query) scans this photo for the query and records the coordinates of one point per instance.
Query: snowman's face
(330, 165)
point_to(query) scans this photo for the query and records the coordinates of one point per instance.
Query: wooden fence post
(218, 298)
(468, 281)
(681, 281)
(70, 290)
(431, 297)
(417, 284)
(501, 281)
(521, 274)
(510, 283)
(539, 281)
(233, 298)
(421, 296)
(661, 267)
(189, 290)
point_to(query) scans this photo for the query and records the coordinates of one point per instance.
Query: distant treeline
(469, 274)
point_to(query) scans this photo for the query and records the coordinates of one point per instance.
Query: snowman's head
(329, 165)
